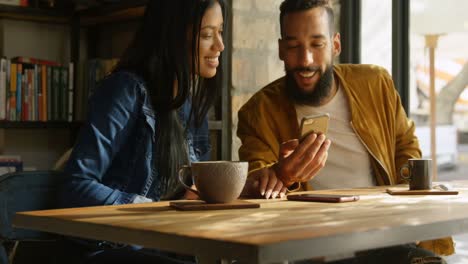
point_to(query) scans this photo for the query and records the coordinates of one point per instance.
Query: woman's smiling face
(210, 41)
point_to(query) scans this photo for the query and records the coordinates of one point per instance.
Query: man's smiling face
(307, 50)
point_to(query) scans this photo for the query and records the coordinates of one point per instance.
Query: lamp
(432, 19)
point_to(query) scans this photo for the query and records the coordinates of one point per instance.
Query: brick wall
(255, 61)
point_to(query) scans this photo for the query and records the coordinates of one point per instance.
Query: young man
(369, 137)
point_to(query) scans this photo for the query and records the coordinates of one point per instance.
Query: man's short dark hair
(291, 6)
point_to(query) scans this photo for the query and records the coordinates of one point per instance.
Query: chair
(25, 191)
(60, 163)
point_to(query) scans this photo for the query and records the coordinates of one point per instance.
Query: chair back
(3, 254)
(26, 191)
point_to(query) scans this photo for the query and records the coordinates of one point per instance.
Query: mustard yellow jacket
(377, 117)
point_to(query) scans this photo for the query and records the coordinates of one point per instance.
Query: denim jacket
(112, 161)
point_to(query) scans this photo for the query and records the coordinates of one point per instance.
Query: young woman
(148, 117)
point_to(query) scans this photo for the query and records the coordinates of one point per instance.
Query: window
(448, 25)
(376, 33)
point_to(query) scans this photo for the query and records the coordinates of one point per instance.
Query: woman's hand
(264, 183)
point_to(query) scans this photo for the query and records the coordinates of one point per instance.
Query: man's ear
(280, 49)
(336, 45)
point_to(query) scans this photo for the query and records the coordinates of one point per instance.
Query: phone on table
(317, 124)
(327, 198)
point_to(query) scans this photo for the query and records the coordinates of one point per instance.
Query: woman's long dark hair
(161, 54)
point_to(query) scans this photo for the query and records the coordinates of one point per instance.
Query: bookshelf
(38, 33)
(88, 34)
(39, 125)
(34, 14)
(100, 23)
(122, 11)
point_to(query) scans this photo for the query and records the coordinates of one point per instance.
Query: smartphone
(327, 198)
(317, 124)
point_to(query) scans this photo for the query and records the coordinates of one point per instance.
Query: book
(56, 93)
(17, 95)
(19, 88)
(36, 93)
(15, 2)
(10, 163)
(44, 101)
(63, 94)
(3, 88)
(70, 92)
(49, 93)
(29, 60)
(8, 70)
(39, 94)
(25, 91)
(12, 94)
(29, 92)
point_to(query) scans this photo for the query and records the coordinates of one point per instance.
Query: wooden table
(279, 230)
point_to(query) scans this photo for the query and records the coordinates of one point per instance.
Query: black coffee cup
(419, 174)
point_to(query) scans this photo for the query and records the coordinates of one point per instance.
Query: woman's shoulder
(120, 83)
(124, 78)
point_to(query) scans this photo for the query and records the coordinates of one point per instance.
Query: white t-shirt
(348, 164)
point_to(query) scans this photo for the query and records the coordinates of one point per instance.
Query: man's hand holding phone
(299, 161)
(303, 161)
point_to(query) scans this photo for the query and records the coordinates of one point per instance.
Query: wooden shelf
(37, 124)
(127, 10)
(35, 14)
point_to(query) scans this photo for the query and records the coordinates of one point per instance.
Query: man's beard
(321, 90)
